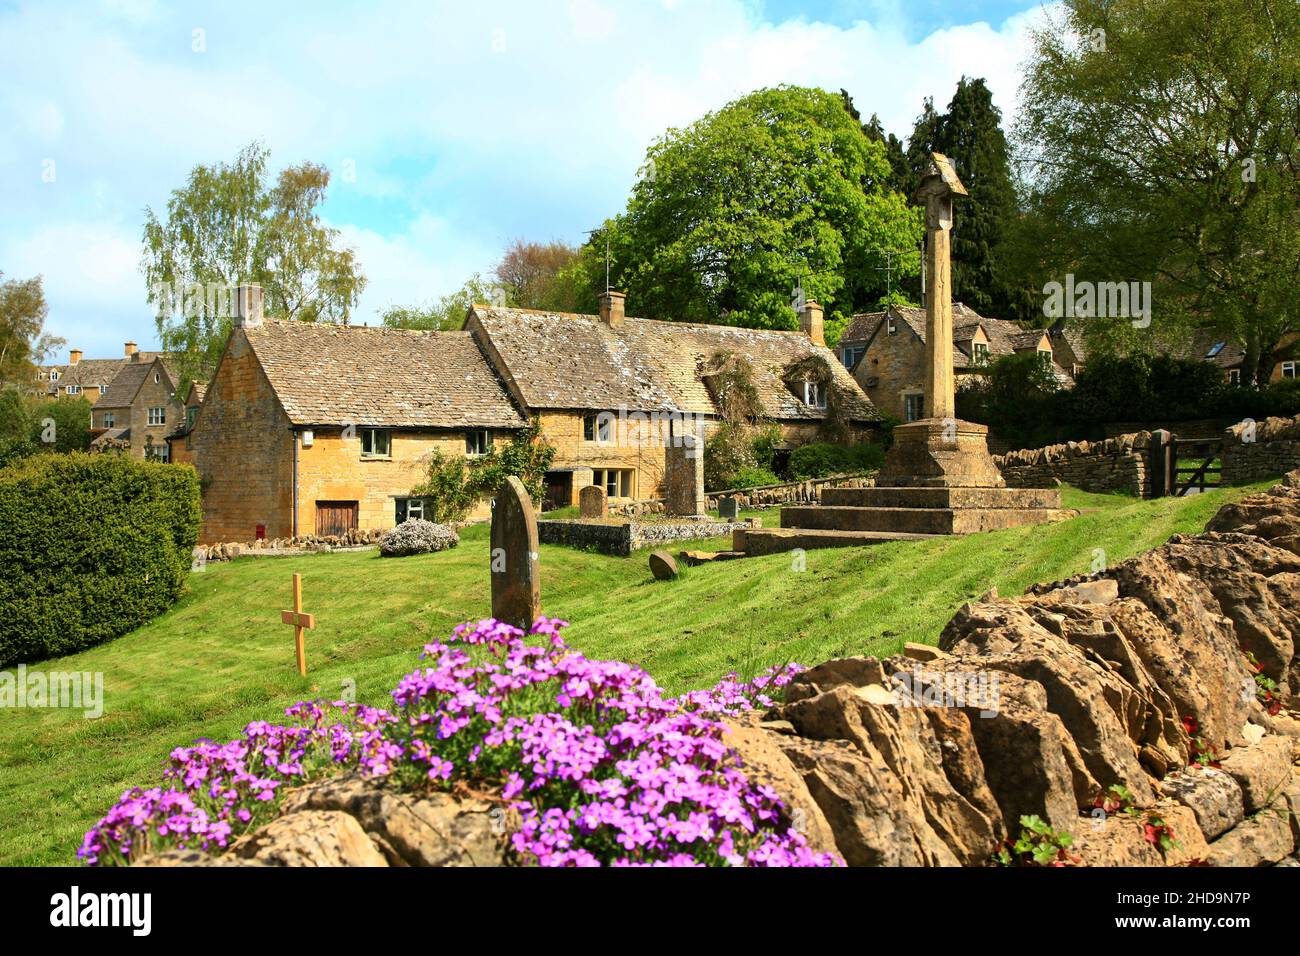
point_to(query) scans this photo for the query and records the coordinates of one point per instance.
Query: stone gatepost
(684, 476)
(516, 580)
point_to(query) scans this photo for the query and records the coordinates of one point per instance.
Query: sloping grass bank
(221, 658)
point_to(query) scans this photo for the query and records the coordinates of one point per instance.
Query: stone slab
(916, 520)
(779, 540)
(941, 497)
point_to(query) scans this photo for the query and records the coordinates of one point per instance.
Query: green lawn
(221, 657)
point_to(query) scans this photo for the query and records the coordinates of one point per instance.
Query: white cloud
(467, 125)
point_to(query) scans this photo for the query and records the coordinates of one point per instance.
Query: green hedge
(91, 546)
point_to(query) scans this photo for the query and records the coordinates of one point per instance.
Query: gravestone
(684, 476)
(593, 502)
(663, 566)
(516, 584)
(728, 508)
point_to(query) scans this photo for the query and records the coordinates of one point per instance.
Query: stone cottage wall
(1114, 465)
(1273, 449)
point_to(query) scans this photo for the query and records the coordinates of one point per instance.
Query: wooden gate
(335, 517)
(1197, 464)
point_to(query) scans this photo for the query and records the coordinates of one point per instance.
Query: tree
(23, 343)
(229, 226)
(900, 173)
(539, 275)
(445, 313)
(735, 210)
(1162, 141)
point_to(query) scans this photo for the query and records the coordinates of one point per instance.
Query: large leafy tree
(230, 225)
(448, 311)
(1162, 141)
(735, 210)
(23, 342)
(539, 275)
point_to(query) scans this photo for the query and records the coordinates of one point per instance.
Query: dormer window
(851, 354)
(979, 352)
(1045, 356)
(814, 394)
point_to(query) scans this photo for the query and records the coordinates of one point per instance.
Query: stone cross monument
(939, 450)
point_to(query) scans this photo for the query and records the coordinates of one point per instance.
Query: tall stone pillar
(940, 400)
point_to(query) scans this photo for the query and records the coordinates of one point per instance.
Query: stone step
(941, 497)
(694, 558)
(778, 540)
(915, 520)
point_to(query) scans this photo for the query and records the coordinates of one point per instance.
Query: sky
(449, 128)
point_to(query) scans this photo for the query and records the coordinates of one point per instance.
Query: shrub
(91, 546)
(453, 486)
(602, 769)
(819, 459)
(727, 452)
(415, 536)
(753, 477)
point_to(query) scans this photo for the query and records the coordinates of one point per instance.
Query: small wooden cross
(299, 621)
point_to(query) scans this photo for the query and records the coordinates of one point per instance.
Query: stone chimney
(611, 308)
(248, 306)
(74, 356)
(810, 322)
(129, 349)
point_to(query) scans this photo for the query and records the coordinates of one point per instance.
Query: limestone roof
(326, 374)
(571, 361)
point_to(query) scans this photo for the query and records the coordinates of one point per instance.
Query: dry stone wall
(1270, 447)
(1118, 464)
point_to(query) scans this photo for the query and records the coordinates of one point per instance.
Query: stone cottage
(885, 352)
(87, 378)
(180, 442)
(315, 428)
(611, 390)
(139, 408)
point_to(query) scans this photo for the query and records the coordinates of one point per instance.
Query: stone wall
(621, 538)
(1272, 450)
(1112, 465)
(761, 496)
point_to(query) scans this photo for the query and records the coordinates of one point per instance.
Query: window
(478, 442)
(913, 406)
(1045, 356)
(598, 428)
(410, 509)
(979, 352)
(156, 379)
(157, 415)
(851, 355)
(375, 443)
(74, 389)
(190, 414)
(108, 419)
(1289, 369)
(617, 482)
(814, 394)
(1234, 376)
(54, 375)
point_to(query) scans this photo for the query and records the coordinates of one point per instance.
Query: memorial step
(759, 541)
(929, 521)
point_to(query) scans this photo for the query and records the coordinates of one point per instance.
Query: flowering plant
(603, 769)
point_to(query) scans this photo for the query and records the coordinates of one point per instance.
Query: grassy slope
(221, 658)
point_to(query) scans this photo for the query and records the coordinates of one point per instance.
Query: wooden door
(335, 517)
(559, 490)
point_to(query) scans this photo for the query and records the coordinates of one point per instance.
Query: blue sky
(466, 124)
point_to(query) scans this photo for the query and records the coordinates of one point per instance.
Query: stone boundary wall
(1275, 450)
(622, 538)
(807, 491)
(1113, 464)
